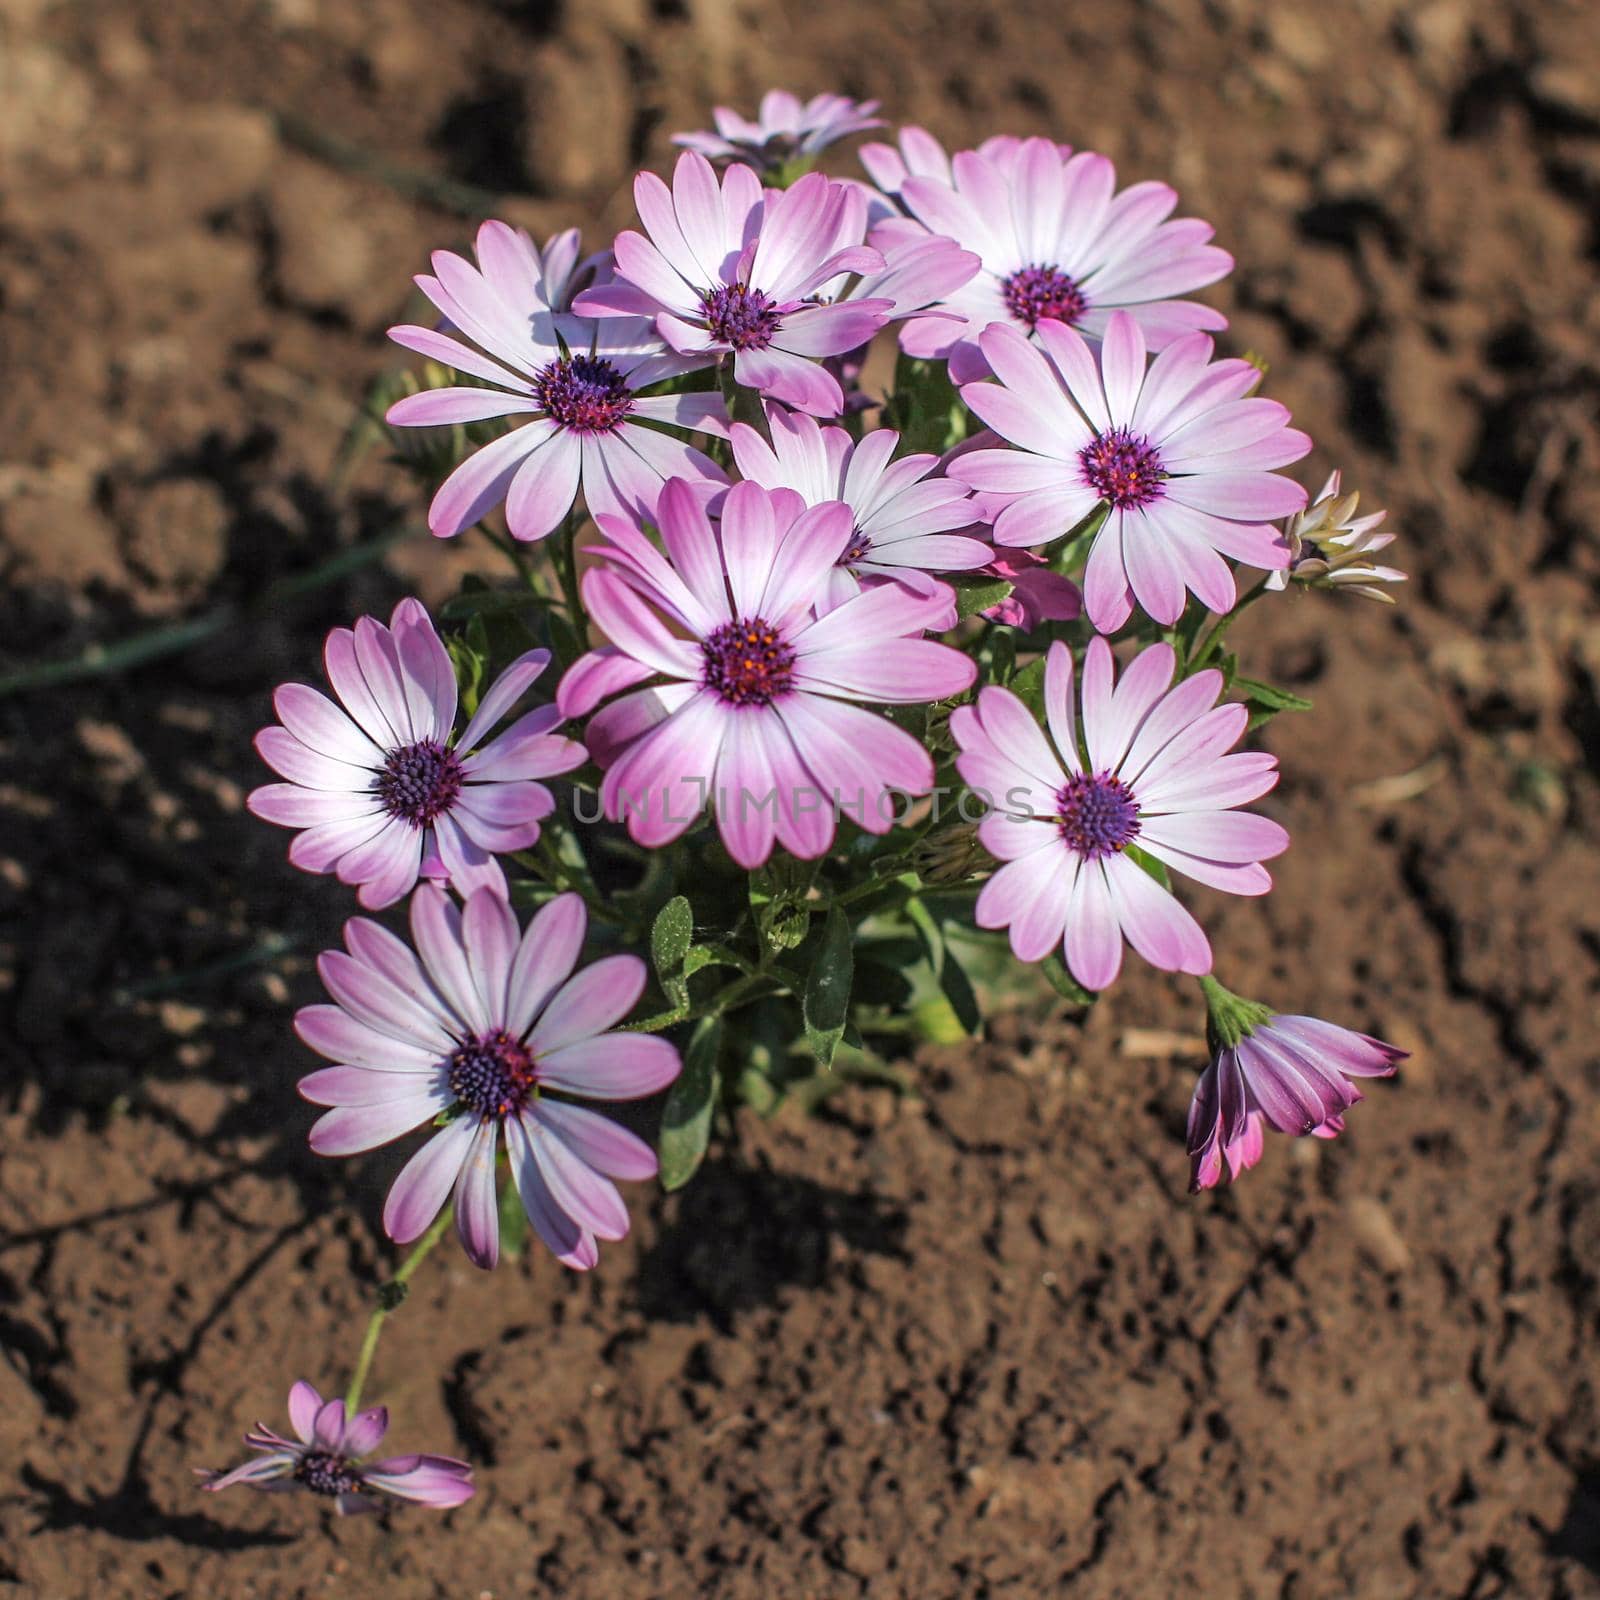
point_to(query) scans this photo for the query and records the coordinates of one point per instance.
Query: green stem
(566, 562)
(516, 553)
(1220, 631)
(725, 999)
(873, 886)
(390, 1296)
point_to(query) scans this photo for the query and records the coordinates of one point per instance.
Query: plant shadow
(742, 1232)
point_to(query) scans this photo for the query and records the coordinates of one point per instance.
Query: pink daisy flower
(382, 790)
(325, 1458)
(903, 519)
(488, 1028)
(755, 711)
(1292, 1073)
(1057, 242)
(579, 383)
(1155, 776)
(731, 269)
(785, 127)
(1178, 453)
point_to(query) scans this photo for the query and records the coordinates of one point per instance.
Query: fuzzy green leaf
(975, 594)
(686, 1117)
(670, 938)
(953, 982)
(826, 1003)
(1064, 984)
(1268, 695)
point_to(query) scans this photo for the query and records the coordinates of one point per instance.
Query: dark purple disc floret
(585, 393)
(1097, 814)
(748, 663)
(1035, 293)
(739, 316)
(1123, 467)
(420, 781)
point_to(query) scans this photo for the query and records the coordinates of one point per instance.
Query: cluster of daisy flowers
(767, 620)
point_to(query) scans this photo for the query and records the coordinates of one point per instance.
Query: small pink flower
(325, 1458)
(1182, 459)
(1155, 777)
(903, 519)
(1056, 240)
(382, 790)
(784, 128)
(1290, 1073)
(580, 383)
(488, 1029)
(755, 711)
(1037, 596)
(730, 269)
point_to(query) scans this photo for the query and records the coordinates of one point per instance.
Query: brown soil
(977, 1343)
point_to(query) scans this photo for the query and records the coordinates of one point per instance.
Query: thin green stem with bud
(390, 1295)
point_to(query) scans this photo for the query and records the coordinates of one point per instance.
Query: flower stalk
(391, 1295)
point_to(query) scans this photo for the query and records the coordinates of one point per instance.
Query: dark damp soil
(978, 1342)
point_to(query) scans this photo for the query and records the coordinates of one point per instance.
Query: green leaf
(513, 1221)
(957, 989)
(778, 894)
(978, 594)
(1065, 984)
(686, 1117)
(1265, 694)
(925, 407)
(935, 1020)
(827, 996)
(670, 938)
(703, 956)
(1028, 686)
(953, 982)
(469, 665)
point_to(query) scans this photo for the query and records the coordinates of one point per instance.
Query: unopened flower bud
(1331, 547)
(949, 855)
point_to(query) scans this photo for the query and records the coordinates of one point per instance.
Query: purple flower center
(323, 1472)
(493, 1074)
(584, 393)
(860, 549)
(1123, 467)
(1035, 293)
(420, 781)
(747, 662)
(1097, 814)
(739, 316)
